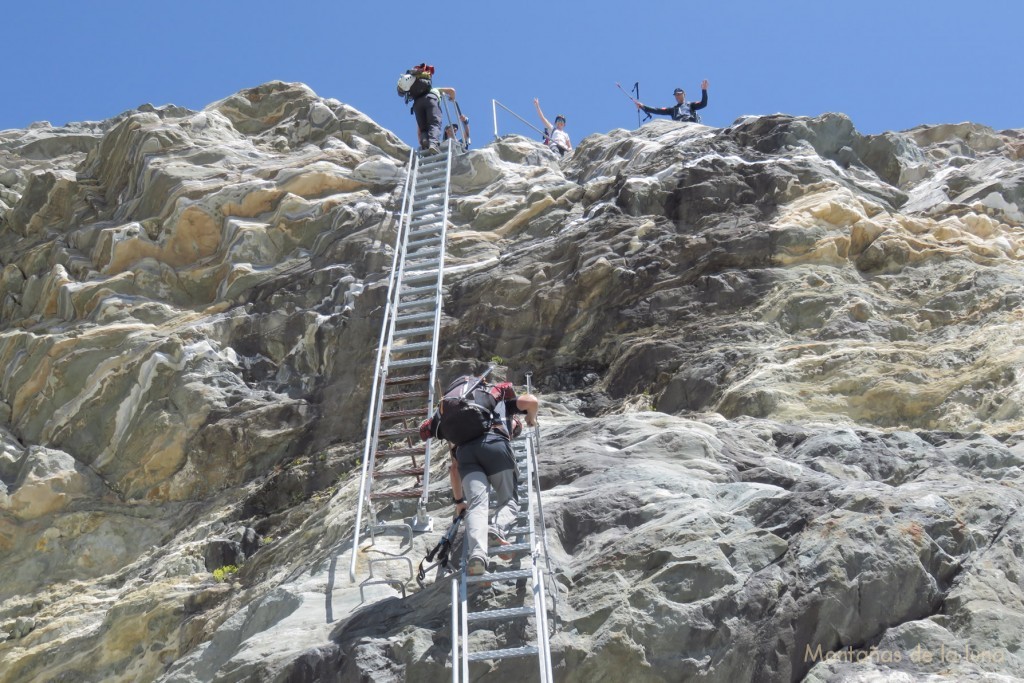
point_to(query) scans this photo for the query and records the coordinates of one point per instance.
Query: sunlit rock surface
(782, 434)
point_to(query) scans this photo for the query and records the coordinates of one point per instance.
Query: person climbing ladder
(416, 85)
(477, 418)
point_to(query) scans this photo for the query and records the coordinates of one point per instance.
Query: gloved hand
(425, 430)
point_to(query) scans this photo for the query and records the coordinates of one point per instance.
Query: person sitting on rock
(484, 459)
(682, 110)
(555, 136)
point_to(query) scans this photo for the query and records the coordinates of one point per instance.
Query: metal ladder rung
(416, 244)
(427, 212)
(418, 302)
(416, 291)
(413, 256)
(398, 433)
(424, 168)
(518, 531)
(433, 161)
(406, 394)
(401, 452)
(403, 472)
(407, 379)
(510, 613)
(411, 361)
(432, 229)
(397, 495)
(430, 199)
(391, 415)
(420, 222)
(503, 654)
(420, 276)
(409, 348)
(501, 576)
(414, 317)
(413, 332)
(510, 548)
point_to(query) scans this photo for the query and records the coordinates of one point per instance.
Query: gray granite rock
(779, 363)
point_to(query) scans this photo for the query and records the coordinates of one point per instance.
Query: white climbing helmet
(405, 82)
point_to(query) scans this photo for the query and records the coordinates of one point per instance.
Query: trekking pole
(646, 117)
(631, 98)
(636, 89)
(463, 125)
(447, 116)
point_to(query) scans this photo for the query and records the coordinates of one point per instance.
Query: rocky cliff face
(780, 363)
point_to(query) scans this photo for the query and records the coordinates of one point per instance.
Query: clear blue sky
(888, 65)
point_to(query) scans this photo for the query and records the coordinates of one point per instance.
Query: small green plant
(497, 360)
(223, 573)
(267, 540)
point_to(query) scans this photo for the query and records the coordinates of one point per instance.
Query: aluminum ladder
(529, 551)
(404, 376)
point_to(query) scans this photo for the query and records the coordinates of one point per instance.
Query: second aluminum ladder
(404, 374)
(532, 552)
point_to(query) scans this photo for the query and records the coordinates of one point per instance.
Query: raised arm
(703, 97)
(536, 103)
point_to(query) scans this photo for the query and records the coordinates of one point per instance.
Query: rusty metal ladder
(404, 376)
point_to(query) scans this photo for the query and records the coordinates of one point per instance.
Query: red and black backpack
(468, 409)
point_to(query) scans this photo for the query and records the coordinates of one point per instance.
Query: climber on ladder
(477, 419)
(416, 86)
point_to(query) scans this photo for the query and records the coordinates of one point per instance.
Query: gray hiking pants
(487, 460)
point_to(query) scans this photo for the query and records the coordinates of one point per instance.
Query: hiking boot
(497, 538)
(431, 150)
(476, 566)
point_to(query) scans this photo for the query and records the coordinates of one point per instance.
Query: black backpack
(423, 75)
(467, 410)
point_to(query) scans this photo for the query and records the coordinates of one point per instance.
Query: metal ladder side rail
(377, 390)
(534, 436)
(540, 603)
(436, 335)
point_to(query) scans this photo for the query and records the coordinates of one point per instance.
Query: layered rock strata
(780, 361)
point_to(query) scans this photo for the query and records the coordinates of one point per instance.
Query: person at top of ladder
(416, 86)
(451, 131)
(555, 136)
(477, 419)
(681, 110)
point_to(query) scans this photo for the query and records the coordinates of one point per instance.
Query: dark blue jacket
(683, 111)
